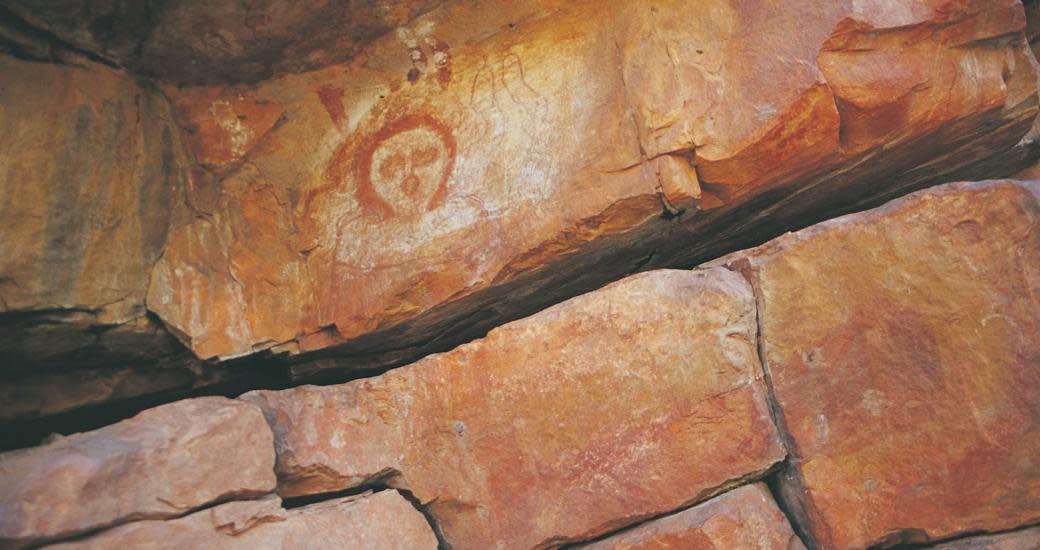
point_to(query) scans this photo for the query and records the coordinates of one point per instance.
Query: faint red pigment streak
(332, 98)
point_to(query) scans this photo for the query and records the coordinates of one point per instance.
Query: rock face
(608, 408)
(1027, 539)
(231, 196)
(483, 163)
(381, 521)
(902, 346)
(745, 518)
(218, 41)
(161, 463)
(89, 169)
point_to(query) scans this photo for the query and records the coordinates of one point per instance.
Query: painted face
(408, 168)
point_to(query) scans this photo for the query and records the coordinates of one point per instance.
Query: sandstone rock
(219, 40)
(485, 162)
(380, 521)
(902, 345)
(222, 124)
(89, 169)
(161, 463)
(1026, 539)
(745, 518)
(611, 407)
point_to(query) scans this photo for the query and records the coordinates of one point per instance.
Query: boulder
(162, 463)
(380, 521)
(902, 347)
(612, 407)
(745, 518)
(482, 163)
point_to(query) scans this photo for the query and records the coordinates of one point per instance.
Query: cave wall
(606, 274)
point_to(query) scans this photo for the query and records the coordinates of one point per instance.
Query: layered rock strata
(469, 168)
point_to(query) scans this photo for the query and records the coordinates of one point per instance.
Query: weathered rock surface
(89, 169)
(380, 521)
(218, 41)
(608, 408)
(161, 463)
(482, 163)
(902, 346)
(222, 124)
(1026, 539)
(744, 518)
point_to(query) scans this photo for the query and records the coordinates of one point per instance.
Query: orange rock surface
(162, 463)
(89, 171)
(902, 348)
(380, 521)
(606, 409)
(222, 125)
(483, 162)
(744, 518)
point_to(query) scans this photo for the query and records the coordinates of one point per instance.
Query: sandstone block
(162, 463)
(380, 521)
(745, 518)
(903, 348)
(611, 407)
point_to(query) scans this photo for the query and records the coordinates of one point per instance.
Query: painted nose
(410, 184)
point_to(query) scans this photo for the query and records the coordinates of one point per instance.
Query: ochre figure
(403, 169)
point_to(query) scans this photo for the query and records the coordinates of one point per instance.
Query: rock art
(902, 346)
(480, 164)
(612, 407)
(162, 463)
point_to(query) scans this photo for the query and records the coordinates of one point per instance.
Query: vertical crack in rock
(442, 543)
(485, 462)
(790, 506)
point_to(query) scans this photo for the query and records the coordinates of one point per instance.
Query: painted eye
(392, 166)
(425, 156)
